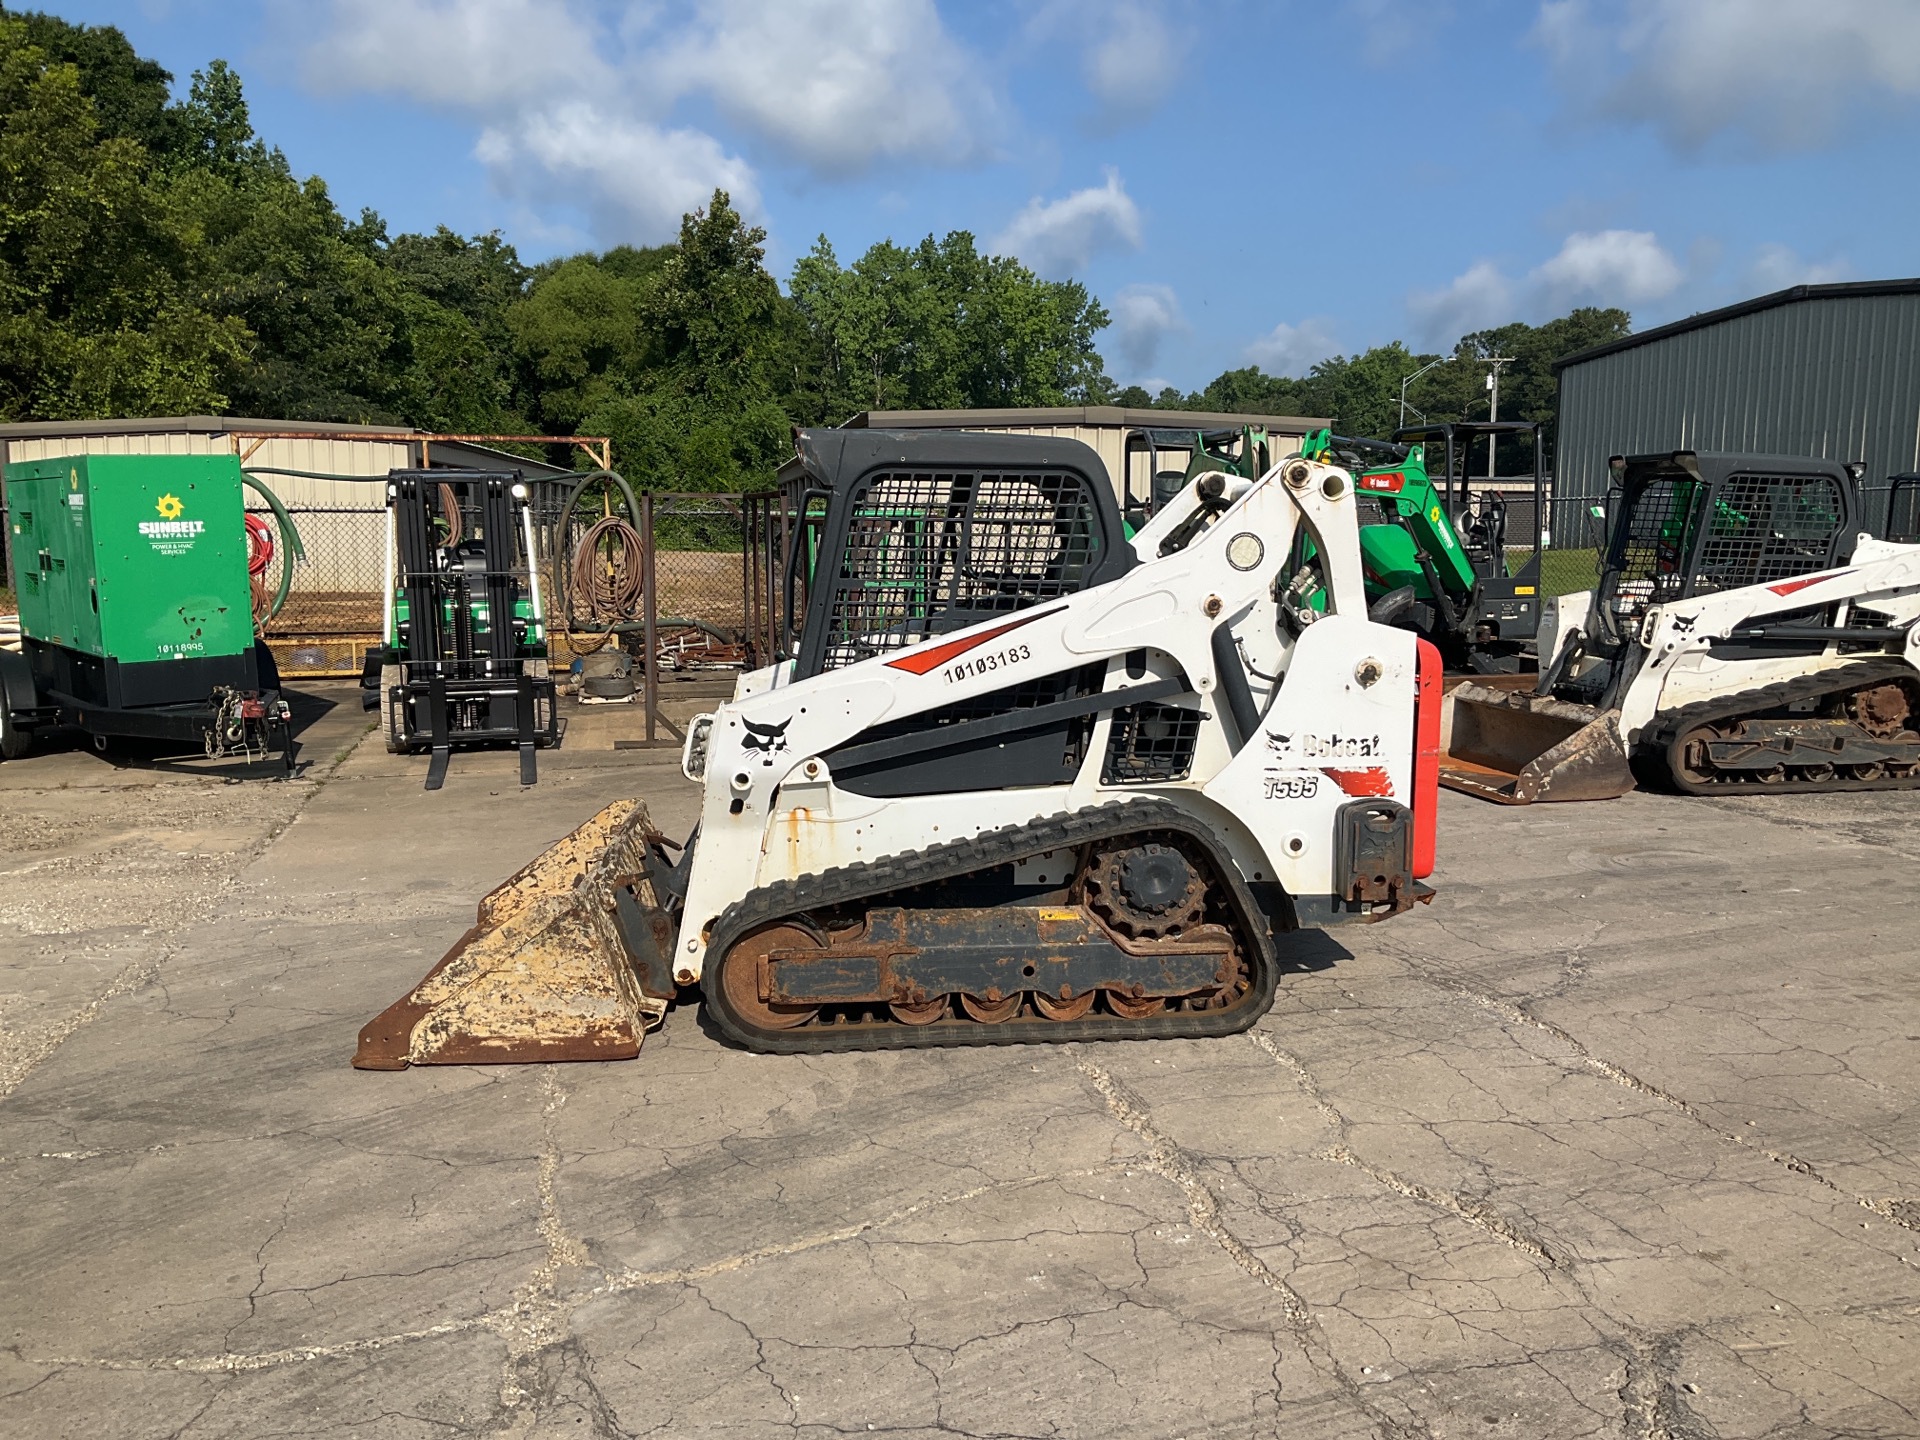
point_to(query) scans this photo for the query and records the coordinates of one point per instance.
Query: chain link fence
(720, 565)
(700, 600)
(1575, 541)
(701, 580)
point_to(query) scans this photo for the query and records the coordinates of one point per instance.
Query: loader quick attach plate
(829, 962)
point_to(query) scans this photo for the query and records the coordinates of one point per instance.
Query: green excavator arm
(1406, 492)
(1420, 546)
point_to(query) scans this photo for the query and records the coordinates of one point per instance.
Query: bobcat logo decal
(767, 739)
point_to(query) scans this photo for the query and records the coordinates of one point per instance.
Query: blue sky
(1238, 182)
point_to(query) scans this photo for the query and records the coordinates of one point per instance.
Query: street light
(1413, 377)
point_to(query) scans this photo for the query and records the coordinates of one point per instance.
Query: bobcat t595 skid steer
(1745, 635)
(1021, 780)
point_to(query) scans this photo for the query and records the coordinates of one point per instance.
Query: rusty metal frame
(650, 619)
(599, 448)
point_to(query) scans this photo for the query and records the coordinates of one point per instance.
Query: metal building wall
(1837, 378)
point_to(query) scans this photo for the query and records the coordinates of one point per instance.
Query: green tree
(942, 326)
(455, 298)
(578, 335)
(709, 415)
(1361, 393)
(212, 129)
(130, 95)
(326, 315)
(97, 315)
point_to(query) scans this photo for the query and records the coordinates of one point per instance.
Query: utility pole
(1493, 408)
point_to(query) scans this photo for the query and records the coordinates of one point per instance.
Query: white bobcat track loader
(1022, 779)
(1745, 634)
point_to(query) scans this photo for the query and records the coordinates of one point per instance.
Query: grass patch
(1563, 572)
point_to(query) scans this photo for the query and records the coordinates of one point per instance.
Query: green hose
(289, 537)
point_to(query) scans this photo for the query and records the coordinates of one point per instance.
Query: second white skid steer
(1021, 779)
(1745, 634)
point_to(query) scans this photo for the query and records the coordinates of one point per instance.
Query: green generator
(136, 608)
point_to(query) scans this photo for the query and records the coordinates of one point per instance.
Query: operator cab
(908, 534)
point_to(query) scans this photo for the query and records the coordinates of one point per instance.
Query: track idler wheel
(747, 964)
(1071, 1008)
(1131, 1007)
(924, 1012)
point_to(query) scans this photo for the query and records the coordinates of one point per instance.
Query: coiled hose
(450, 516)
(600, 593)
(260, 555)
(606, 571)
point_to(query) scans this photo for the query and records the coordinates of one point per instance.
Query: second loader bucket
(553, 967)
(1518, 749)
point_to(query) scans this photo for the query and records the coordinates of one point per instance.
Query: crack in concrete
(538, 1320)
(21, 1053)
(1473, 1212)
(1168, 1160)
(1171, 1163)
(26, 1054)
(1887, 1209)
(547, 1317)
(628, 1280)
(1650, 1400)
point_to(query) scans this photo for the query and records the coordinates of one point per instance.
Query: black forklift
(465, 655)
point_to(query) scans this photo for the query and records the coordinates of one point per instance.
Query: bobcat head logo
(768, 739)
(1279, 743)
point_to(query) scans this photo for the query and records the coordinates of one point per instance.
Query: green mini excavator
(1438, 560)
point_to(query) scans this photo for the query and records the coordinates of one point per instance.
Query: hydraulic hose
(289, 540)
(609, 584)
(611, 592)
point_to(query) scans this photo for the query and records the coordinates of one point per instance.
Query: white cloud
(1775, 74)
(1134, 62)
(1776, 267)
(1478, 297)
(1056, 238)
(639, 179)
(573, 109)
(1601, 267)
(1132, 54)
(838, 83)
(456, 53)
(1143, 316)
(1292, 349)
(1610, 267)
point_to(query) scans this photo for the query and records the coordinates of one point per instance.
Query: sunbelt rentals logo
(171, 532)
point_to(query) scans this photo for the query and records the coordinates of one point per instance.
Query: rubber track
(877, 878)
(1676, 723)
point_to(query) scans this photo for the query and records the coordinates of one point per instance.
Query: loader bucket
(1518, 749)
(549, 971)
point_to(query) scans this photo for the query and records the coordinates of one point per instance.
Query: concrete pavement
(1618, 1138)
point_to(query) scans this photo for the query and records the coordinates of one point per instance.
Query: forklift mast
(465, 659)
